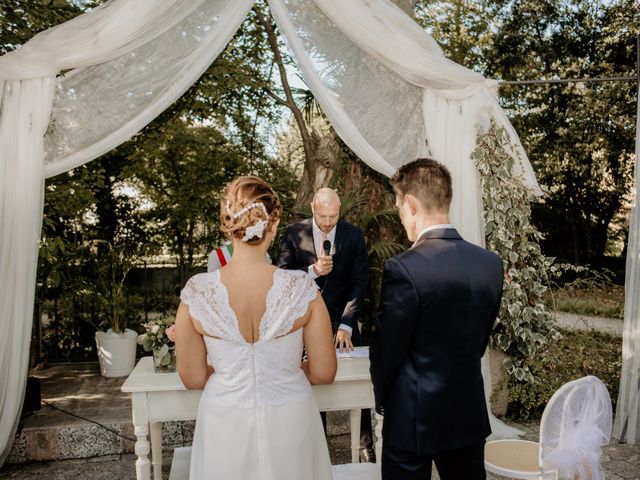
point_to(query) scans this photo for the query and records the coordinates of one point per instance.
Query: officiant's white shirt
(318, 239)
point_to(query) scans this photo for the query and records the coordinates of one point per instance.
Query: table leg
(354, 417)
(156, 449)
(143, 466)
(141, 430)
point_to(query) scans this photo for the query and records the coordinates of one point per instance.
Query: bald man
(340, 271)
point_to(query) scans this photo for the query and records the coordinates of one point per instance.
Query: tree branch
(290, 100)
(278, 99)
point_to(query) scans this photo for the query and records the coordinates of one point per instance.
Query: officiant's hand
(343, 341)
(324, 265)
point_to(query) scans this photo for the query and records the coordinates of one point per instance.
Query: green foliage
(380, 247)
(523, 326)
(580, 136)
(159, 190)
(462, 28)
(574, 355)
(385, 237)
(111, 265)
(177, 169)
(22, 19)
(598, 303)
(585, 291)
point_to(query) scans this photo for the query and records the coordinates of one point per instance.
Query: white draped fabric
(627, 424)
(24, 115)
(383, 82)
(129, 60)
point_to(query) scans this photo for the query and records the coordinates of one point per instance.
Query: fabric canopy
(627, 423)
(78, 90)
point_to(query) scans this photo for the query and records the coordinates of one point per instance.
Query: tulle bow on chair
(575, 425)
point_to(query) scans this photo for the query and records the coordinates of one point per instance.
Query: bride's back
(247, 287)
(263, 368)
(240, 333)
(228, 318)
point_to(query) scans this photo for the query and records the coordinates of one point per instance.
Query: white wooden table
(160, 397)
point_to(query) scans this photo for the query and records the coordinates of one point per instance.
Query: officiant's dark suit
(342, 289)
(438, 305)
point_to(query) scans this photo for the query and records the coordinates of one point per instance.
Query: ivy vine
(524, 325)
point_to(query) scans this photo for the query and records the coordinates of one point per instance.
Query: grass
(602, 302)
(576, 354)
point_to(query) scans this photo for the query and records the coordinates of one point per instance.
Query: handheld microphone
(326, 246)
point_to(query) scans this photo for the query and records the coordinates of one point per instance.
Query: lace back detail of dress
(208, 304)
(287, 300)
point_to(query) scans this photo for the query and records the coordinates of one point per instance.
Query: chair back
(575, 425)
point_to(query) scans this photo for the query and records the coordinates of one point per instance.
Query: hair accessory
(255, 230)
(246, 209)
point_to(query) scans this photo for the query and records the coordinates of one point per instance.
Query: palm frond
(382, 250)
(352, 203)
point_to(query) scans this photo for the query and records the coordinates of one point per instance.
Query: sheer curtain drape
(24, 116)
(125, 62)
(95, 81)
(627, 423)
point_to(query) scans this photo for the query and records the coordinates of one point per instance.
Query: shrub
(576, 354)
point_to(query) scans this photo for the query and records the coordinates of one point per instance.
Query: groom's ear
(412, 202)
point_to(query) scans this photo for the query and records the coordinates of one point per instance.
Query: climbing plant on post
(524, 324)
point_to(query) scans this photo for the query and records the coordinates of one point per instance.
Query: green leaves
(524, 323)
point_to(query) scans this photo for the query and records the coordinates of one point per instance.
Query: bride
(240, 333)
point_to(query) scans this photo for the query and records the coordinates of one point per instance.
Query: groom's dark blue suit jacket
(344, 288)
(439, 303)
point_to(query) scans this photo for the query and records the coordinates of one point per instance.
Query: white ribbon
(255, 230)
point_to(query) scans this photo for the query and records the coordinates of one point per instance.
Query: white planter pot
(116, 352)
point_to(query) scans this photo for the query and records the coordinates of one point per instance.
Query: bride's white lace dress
(258, 418)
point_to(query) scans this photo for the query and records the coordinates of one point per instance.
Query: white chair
(575, 425)
(180, 464)
(363, 471)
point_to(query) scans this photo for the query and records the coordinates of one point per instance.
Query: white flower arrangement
(159, 338)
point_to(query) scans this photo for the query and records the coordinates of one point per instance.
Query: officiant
(334, 253)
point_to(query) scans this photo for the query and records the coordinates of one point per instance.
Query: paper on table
(357, 352)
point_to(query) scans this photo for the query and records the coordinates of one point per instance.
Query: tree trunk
(321, 150)
(319, 167)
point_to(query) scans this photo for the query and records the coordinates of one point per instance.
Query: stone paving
(574, 321)
(620, 462)
(51, 434)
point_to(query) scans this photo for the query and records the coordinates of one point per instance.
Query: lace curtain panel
(95, 81)
(627, 422)
(124, 63)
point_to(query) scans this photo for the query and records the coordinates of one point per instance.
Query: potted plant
(158, 338)
(116, 346)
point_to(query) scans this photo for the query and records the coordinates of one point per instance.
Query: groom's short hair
(428, 181)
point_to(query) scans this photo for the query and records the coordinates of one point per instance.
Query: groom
(438, 305)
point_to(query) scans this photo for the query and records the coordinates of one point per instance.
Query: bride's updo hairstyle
(248, 208)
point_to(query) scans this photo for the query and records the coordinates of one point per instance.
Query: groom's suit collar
(449, 232)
